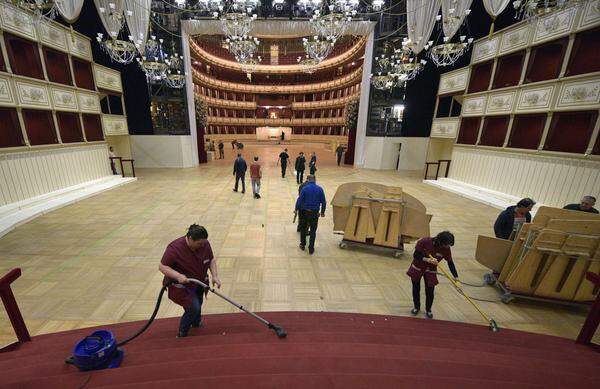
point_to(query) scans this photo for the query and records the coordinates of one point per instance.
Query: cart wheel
(488, 278)
(343, 245)
(494, 326)
(506, 298)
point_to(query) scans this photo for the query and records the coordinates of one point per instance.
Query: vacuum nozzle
(278, 330)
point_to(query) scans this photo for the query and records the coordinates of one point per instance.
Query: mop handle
(456, 285)
(202, 284)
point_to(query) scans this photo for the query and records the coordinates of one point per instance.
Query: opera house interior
(300, 193)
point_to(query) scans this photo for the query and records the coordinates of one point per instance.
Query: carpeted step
(584, 358)
(50, 364)
(324, 365)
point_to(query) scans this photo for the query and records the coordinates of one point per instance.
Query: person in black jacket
(586, 205)
(239, 171)
(510, 220)
(300, 167)
(313, 163)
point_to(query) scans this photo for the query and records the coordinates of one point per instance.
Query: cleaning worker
(424, 267)
(189, 256)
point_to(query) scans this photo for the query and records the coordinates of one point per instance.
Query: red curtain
(570, 132)
(508, 70)
(24, 56)
(494, 131)
(70, 127)
(480, 77)
(10, 128)
(93, 127)
(39, 126)
(546, 60)
(83, 74)
(469, 129)
(526, 132)
(585, 56)
(57, 66)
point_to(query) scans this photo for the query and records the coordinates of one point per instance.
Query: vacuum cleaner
(100, 350)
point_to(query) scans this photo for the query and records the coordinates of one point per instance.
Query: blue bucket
(95, 351)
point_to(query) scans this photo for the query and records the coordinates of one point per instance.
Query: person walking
(112, 156)
(311, 199)
(282, 137)
(189, 256)
(339, 152)
(255, 175)
(283, 158)
(423, 266)
(221, 147)
(239, 171)
(233, 144)
(300, 166)
(313, 163)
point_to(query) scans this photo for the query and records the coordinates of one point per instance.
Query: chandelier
(236, 24)
(309, 65)
(153, 61)
(175, 77)
(40, 8)
(318, 48)
(243, 48)
(530, 9)
(405, 64)
(332, 25)
(447, 53)
(118, 50)
(383, 81)
(249, 65)
(309, 6)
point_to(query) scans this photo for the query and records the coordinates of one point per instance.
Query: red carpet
(322, 350)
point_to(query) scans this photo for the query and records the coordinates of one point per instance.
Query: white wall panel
(551, 180)
(27, 174)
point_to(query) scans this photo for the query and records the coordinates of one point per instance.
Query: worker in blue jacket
(310, 201)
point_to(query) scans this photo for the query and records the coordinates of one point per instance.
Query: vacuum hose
(145, 327)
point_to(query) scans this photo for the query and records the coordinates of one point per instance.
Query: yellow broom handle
(458, 287)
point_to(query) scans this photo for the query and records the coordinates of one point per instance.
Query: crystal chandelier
(242, 48)
(529, 9)
(331, 26)
(385, 78)
(447, 53)
(119, 50)
(309, 65)
(235, 24)
(249, 65)
(175, 77)
(405, 64)
(318, 48)
(309, 6)
(40, 8)
(383, 81)
(153, 61)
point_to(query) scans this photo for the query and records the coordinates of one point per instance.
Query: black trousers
(429, 290)
(339, 159)
(309, 221)
(239, 177)
(299, 176)
(192, 314)
(283, 169)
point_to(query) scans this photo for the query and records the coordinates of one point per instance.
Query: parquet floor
(95, 262)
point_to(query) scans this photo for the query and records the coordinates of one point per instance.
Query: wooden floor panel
(95, 262)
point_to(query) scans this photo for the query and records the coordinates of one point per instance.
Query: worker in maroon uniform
(423, 266)
(189, 256)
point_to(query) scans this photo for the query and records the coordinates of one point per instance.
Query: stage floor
(95, 262)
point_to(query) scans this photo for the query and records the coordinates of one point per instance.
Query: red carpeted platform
(322, 350)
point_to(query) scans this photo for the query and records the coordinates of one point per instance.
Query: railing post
(10, 304)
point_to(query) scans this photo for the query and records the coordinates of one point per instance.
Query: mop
(492, 323)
